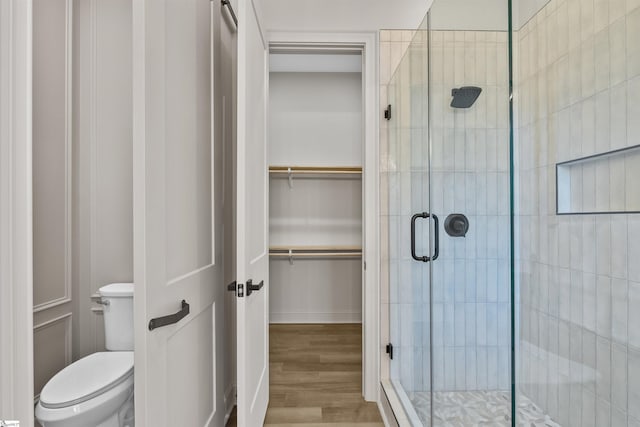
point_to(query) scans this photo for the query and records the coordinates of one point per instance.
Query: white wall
(486, 15)
(373, 15)
(340, 15)
(315, 119)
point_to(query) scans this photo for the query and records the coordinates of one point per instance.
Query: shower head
(465, 96)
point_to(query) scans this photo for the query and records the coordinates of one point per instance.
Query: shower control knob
(456, 225)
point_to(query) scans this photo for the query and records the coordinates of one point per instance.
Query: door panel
(194, 364)
(177, 178)
(188, 145)
(252, 208)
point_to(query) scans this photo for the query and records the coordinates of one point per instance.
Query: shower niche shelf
(605, 183)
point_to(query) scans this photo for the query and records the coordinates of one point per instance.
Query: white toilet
(97, 390)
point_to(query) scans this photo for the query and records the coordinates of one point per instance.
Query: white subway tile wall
(577, 95)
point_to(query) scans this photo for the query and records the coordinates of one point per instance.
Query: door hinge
(387, 112)
(240, 292)
(390, 350)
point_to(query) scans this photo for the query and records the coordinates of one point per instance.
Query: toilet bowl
(97, 390)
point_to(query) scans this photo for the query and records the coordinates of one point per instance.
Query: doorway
(320, 179)
(315, 216)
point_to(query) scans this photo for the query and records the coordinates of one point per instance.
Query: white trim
(68, 146)
(52, 321)
(92, 144)
(68, 166)
(189, 274)
(212, 129)
(16, 211)
(54, 303)
(367, 43)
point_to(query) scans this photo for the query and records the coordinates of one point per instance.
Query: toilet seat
(87, 378)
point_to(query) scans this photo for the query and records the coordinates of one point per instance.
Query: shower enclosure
(449, 222)
(510, 233)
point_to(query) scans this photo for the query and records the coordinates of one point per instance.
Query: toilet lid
(87, 378)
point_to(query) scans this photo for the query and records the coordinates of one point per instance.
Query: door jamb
(16, 246)
(367, 42)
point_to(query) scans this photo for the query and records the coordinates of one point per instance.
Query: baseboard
(315, 317)
(229, 402)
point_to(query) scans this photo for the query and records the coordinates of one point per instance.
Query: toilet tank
(117, 300)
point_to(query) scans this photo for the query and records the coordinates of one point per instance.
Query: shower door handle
(436, 237)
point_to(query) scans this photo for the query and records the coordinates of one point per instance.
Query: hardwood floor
(316, 378)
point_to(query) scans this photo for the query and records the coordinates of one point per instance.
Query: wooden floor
(316, 378)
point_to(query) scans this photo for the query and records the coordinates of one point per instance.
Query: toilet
(97, 390)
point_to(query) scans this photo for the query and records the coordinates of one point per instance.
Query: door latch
(237, 288)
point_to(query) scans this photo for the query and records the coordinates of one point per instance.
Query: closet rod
(315, 254)
(315, 248)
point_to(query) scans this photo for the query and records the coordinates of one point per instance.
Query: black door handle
(436, 238)
(251, 287)
(159, 322)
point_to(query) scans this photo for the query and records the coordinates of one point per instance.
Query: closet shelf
(315, 252)
(315, 170)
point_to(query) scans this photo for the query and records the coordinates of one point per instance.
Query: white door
(177, 219)
(252, 261)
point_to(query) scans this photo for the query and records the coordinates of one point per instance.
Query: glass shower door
(471, 282)
(450, 283)
(410, 231)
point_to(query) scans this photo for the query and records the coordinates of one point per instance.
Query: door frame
(367, 42)
(16, 229)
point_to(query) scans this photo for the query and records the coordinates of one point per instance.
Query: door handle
(436, 238)
(159, 322)
(252, 288)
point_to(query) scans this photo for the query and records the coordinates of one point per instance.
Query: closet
(315, 153)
